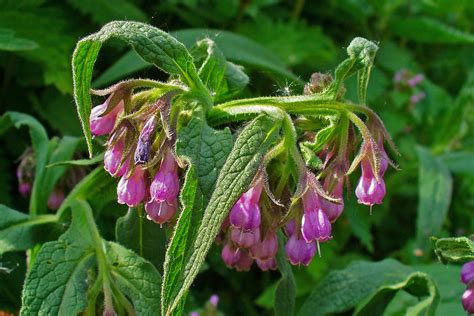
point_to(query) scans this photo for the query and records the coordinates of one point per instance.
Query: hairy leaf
(435, 189)
(206, 150)
(370, 286)
(235, 177)
(455, 249)
(151, 44)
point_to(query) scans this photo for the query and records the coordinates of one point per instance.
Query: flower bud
(369, 191)
(113, 157)
(290, 227)
(299, 251)
(55, 199)
(265, 265)
(25, 189)
(245, 213)
(103, 124)
(165, 185)
(145, 140)
(244, 238)
(132, 190)
(467, 273)
(333, 184)
(245, 261)
(265, 249)
(468, 300)
(230, 255)
(160, 212)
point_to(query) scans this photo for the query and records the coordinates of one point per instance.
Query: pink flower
(245, 213)
(468, 300)
(160, 212)
(55, 199)
(165, 185)
(131, 190)
(265, 265)
(315, 224)
(101, 124)
(113, 158)
(333, 184)
(230, 255)
(245, 238)
(265, 249)
(299, 251)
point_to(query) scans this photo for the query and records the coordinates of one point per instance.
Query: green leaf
(78, 162)
(146, 238)
(370, 286)
(235, 177)
(434, 196)
(63, 281)
(39, 139)
(286, 288)
(9, 42)
(152, 44)
(428, 30)
(455, 249)
(459, 162)
(235, 81)
(250, 53)
(19, 231)
(206, 151)
(213, 67)
(103, 11)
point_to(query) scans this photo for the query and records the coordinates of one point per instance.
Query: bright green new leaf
(369, 286)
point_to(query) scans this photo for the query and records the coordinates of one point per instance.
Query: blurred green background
(281, 43)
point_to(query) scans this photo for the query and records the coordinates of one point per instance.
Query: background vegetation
(281, 43)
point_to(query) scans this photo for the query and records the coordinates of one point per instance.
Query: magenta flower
(230, 255)
(265, 249)
(101, 124)
(132, 190)
(467, 273)
(245, 214)
(369, 190)
(244, 238)
(145, 140)
(265, 265)
(468, 300)
(417, 97)
(290, 227)
(24, 188)
(415, 80)
(165, 185)
(160, 212)
(113, 158)
(334, 185)
(299, 251)
(315, 224)
(55, 199)
(214, 300)
(245, 261)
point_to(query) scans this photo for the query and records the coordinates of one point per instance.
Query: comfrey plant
(243, 172)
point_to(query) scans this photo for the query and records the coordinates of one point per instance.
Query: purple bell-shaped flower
(160, 212)
(101, 124)
(132, 190)
(245, 214)
(299, 251)
(165, 184)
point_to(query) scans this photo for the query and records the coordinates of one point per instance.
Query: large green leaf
(434, 196)
(39, 139)
(429, 30)
(250, 53)
(206, 151)
(369, 286)
(19, 231)
(455, 249)
(146, 238)
(153, 45)
(62, 280)
(459, 162)
(235, 177)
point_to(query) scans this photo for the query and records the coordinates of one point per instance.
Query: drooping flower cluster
(133, 155)
(467, 277)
